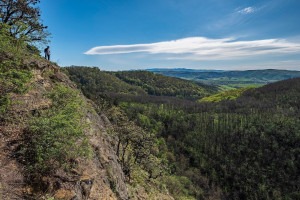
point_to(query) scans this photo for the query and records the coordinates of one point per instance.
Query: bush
(12, 77)
(12, 80)
(57, 137)
(180, 187)
(11, 45)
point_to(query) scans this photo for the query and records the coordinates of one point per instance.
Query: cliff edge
(97, 175)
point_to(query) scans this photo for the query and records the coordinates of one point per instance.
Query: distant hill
(182, 70)
(160, 85)
(231, 79)
(138, 83)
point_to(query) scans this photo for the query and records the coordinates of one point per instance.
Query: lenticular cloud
(201, 48)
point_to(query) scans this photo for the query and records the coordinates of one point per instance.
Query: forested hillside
(245, 148)
(159, 85)
(137, 83)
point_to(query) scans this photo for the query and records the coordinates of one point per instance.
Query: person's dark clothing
(47, 53)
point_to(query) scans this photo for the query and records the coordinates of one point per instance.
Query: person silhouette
(47, 53)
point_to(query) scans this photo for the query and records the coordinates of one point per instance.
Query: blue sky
(196, 34)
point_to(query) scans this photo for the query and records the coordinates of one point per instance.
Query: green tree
(16, 13)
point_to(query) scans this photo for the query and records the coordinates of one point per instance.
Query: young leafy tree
(17, 13)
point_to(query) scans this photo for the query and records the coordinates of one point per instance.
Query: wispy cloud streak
(247, 10)
(201, 48)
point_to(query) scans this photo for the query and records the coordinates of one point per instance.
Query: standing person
(47, 53)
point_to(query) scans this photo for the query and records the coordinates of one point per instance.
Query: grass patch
(227, 95)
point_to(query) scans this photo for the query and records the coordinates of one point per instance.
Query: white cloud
(201, 48)
(247, 10)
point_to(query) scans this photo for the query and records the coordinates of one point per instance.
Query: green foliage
(241, 149)
(159, 85)
(180, 187)
(12, 50)
(228, 95)
(57, 136)
(4, 104)
(14, 80)
(17, 13)
(92, 81)
(137, 83)
(13, 77)
(33, 49)
(11, 45)
(136, 147)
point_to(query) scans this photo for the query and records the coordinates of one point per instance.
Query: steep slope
(98, 176)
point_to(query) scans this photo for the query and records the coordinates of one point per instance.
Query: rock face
(98, 178)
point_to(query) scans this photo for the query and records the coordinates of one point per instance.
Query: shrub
(57, 136)
(180, 187)
(12, 77)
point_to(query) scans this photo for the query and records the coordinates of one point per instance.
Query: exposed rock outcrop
(98, 178)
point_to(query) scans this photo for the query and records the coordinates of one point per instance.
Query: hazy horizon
(179, 68)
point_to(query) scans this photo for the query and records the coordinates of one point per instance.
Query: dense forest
(243, 148)
(137, 83)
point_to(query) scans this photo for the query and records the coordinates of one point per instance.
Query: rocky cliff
(98, 177)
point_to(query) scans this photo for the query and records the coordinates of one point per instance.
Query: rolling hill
(230, 79)
(138, 83)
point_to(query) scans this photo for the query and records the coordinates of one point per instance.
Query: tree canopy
(23, 17)
(241, 144)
